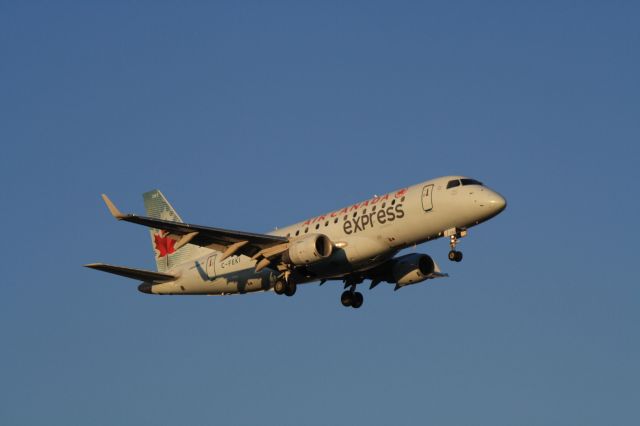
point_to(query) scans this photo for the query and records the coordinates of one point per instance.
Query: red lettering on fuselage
(400, 193)
(372, 201)
(378, 199)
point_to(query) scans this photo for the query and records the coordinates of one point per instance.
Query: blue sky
(251, 115)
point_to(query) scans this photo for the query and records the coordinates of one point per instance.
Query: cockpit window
(470, 182)
(453, 183)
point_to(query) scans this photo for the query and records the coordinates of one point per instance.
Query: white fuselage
(364, 235)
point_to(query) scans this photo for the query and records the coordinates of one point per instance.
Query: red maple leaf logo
(164, 244)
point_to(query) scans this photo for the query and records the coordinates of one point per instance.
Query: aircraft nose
(497, 202)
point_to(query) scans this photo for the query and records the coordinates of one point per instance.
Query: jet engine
(412, 269)
(308, 249)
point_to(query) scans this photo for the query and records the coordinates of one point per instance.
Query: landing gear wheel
(347, 298)
(455, 256)
(291, 289)
(357, 300)
(280, 287)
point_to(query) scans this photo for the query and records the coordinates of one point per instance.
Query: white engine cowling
(412, 269)
(308, 249)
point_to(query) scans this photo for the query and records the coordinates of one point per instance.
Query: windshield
(470, 182)
(453, 184)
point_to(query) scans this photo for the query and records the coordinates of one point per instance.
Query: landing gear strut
(454, 256)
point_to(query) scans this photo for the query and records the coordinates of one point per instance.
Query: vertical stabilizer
(165, 254)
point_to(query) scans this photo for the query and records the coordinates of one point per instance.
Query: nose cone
(497, 203)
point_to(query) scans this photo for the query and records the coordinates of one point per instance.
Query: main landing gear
(283, 287)
(352, 298)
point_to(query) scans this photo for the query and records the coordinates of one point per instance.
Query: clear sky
(251, 115)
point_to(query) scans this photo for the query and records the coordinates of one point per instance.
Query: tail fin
(166, 256)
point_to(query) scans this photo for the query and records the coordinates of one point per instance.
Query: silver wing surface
(228, 241)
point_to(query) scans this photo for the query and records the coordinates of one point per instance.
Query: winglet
(112, 207)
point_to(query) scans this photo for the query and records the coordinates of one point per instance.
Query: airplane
(353, 244)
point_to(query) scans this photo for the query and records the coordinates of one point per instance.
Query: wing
(136, 274)
(227, 241)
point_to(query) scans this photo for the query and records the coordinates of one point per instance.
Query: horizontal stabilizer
(438, 275)
(136, 274)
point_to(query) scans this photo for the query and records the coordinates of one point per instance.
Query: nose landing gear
(455, 256)
(454, 234)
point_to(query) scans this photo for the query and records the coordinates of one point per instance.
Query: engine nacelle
(308, 249)
(412, 269)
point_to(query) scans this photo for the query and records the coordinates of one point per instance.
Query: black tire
(452, 255)
(357, 300)
(291, 289)
(279, 287)
(458, 256)
(347, 298)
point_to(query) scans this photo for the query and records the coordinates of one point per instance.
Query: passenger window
(402, 199)
(336, 220)
(393, 202)
(306, 230)
(326, 223)
(345, 217)
(355, 214)
(373, 209)
(297, 232)
(384, 205)
(317, 226)
(453, 184)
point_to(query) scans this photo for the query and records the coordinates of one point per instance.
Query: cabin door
(211, 266)
(427, 198)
